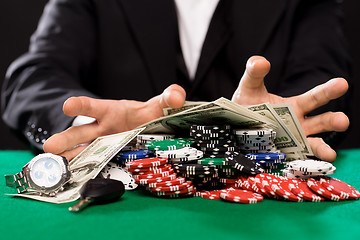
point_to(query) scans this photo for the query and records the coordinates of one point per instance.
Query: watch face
(46, 172)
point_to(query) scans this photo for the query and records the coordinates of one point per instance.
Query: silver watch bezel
(65, 174)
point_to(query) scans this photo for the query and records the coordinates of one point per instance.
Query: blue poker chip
(133, 155)
(266, 156)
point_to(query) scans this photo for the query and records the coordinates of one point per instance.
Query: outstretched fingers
(326, 122)
(61, 142)
(322, 94)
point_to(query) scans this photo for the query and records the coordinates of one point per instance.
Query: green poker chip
(212, 161)
(169, 144)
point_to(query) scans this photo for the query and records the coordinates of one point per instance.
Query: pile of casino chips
(183, 165)
(256, 140)
(297, 190)
(158, 177)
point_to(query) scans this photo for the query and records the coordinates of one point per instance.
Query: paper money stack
(290, 138)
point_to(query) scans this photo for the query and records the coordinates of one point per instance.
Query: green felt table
(140, 216)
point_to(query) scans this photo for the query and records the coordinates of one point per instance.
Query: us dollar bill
(285, 139)
(187, 105)
(287, 114)
(87, 165)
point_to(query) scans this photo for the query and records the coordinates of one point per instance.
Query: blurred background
(19, 18)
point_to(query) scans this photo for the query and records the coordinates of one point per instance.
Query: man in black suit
(122, 49)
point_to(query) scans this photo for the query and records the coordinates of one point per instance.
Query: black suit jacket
(129, 49)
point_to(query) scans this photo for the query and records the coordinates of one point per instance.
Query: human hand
(251, 90)
(112, 116)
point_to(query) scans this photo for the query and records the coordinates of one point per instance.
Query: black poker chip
(224, 148)
(243, 164)
(214, 142)
(195, 169)
(209, 135)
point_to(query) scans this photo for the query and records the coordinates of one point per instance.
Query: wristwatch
(45, 174)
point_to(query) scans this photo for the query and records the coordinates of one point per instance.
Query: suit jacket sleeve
(38, 83)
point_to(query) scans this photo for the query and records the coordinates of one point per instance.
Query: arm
(59, 59)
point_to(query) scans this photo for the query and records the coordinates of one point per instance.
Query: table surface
(138, 215)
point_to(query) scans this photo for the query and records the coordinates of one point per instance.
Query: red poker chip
(245, 183)
(300, 188)
(211, 195)
(315, 185)
(151, 169)
(155, 170)
(266, 181)
(253, 186)
(241, 196)
(172, 188)
(214, 195)
(147, 162)
(340, 188)
(238, 183)
(155, 180)
(182, 191)
(155, 175)
(258, 182)
(281, 188)
(176, 181)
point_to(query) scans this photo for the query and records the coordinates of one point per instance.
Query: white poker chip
(177, 153)
(312, 174)
(310, 165)
(115, 171)
(255, 132)
(154, 137)
(198, 155)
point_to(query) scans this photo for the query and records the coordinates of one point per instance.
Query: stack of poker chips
(213, 140)
(303, 169)
(256, 140)
(143, 139)
(202, 176)
(270, 162)
(158, 178)
(227, 174)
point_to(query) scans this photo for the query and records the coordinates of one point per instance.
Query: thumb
(173, 96)
(251, 89)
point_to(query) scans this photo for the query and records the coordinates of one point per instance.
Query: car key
(99, 191)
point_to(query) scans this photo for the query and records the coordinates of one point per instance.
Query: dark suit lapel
(154, 26)
(254, 23)
(248, 23)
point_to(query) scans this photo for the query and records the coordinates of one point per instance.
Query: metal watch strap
(17, 181)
